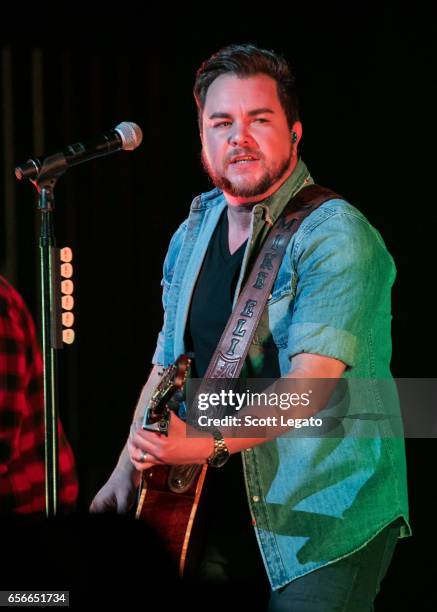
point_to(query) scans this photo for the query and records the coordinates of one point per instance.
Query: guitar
(169, 495)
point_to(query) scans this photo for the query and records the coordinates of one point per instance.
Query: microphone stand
(44, 175)
(45, 183)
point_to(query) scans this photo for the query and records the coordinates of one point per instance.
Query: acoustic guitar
(168, 497)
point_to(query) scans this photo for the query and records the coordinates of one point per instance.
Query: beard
(268, 178)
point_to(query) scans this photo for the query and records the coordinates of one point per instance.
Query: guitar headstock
(176, 373)
(157, 413)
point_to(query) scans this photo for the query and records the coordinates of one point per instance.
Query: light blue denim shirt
(313, 500)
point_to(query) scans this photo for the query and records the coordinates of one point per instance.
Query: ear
(297, 129)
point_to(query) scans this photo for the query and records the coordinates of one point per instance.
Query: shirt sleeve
(345, 274)
(22, 431)
(168, 269)
(12, 381)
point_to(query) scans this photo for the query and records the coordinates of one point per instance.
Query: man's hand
(175, 449)
(118, 494)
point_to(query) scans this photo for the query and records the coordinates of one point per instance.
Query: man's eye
(261, 120)
(222, 124)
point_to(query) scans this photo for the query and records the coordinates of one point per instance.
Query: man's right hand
(117, 495)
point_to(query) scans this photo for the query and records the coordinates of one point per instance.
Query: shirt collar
(273, 206)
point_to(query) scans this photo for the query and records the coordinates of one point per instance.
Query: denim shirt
(313, 500)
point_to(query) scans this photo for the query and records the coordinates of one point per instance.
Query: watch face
(219, 459)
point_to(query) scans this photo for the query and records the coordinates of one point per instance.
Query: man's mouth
(243, 159)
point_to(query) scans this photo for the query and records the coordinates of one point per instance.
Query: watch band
(221, 453)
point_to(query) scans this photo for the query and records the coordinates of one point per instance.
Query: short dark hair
(244, 61)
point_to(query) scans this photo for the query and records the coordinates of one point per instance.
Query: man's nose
(240, 135)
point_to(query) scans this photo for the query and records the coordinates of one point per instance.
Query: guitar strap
(230, 354)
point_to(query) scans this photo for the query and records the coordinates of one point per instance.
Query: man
(321, 516)
(22, 451)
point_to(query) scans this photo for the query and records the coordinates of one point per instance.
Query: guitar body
(171, 514)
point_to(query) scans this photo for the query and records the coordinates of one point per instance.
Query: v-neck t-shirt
(213, 295)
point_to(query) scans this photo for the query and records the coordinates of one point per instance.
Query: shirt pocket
(280, 307)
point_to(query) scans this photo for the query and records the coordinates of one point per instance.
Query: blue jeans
(348, 585)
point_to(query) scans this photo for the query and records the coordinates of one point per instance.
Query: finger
(136, 456)
(98, 506)
(135, 426)
(146, 434)
(142, 458)
(136, 453)
(141, 467)
(146, 443)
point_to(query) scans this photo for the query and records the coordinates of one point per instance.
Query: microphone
(126, 136)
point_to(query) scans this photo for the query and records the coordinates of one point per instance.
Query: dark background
(365, 78)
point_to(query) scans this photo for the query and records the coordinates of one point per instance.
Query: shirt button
(270, 296)
(255, 498)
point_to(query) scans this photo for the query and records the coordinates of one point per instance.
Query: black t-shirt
(227, 515)
(211, 305)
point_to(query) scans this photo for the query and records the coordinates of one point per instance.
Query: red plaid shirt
(22, 464)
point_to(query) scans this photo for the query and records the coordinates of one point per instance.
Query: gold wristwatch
(221, 453)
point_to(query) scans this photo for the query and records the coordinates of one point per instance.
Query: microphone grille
(130, 134)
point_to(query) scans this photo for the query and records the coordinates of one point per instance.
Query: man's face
(247, 148)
